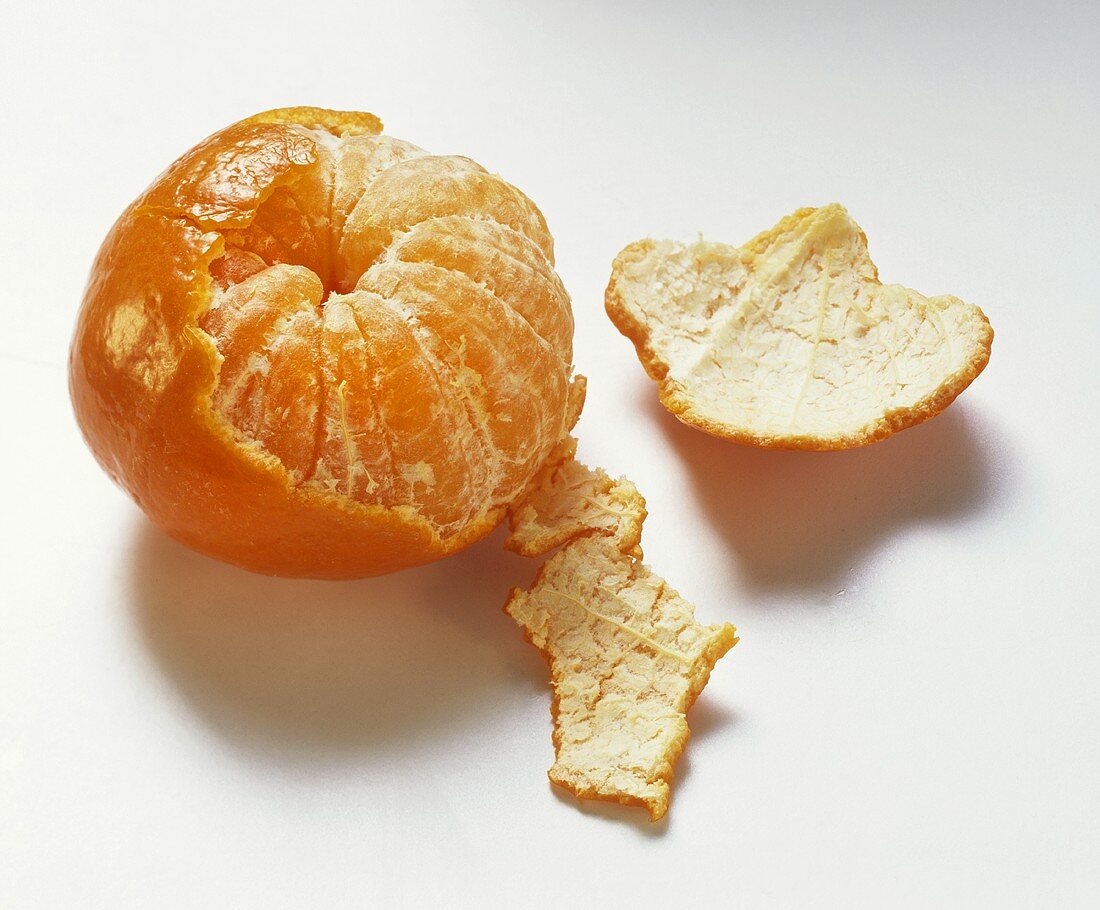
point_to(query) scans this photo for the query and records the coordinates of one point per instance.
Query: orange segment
(266, 328)
(438, 463)
(463, 325)
(353, 454)
(417, 189)
(361, 159)
(503, 260)
(292, 403)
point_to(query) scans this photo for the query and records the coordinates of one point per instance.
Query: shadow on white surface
(308, 672)
(299, 670)
(801, 521)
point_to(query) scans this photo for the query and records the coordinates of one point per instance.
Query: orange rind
(627, 660)
(627, 657)
(791, 341)
(569, 500)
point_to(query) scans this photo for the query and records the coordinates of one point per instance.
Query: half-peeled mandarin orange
(311, 349)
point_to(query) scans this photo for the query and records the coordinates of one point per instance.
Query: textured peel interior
(391, 328)
(569, 500)
(627, 659)
(791, 339)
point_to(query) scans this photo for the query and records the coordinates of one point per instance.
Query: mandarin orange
(311, 349)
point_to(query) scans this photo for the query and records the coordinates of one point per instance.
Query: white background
(912, 718)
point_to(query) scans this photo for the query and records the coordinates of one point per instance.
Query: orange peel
(627, 660)
(569, 500)
(791, 341)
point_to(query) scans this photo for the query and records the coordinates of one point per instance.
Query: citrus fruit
(311, 349)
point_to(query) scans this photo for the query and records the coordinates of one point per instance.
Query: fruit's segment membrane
(392, 330)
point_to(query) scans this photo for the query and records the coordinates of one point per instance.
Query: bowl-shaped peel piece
(791, 341)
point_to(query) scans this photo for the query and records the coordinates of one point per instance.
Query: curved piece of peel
(627, 659)
(791, 341)
(568, 500)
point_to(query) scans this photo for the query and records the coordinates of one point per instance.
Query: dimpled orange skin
(144, 374)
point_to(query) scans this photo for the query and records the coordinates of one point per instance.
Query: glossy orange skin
(142, 376)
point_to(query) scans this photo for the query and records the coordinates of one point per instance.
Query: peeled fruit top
(313, 349)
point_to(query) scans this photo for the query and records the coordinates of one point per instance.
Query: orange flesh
(387, 354)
